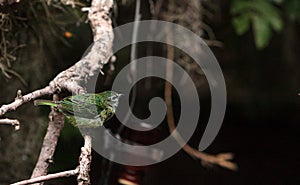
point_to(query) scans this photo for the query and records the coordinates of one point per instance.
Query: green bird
(86, 110)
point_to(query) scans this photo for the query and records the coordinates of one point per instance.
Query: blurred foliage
(265, 16)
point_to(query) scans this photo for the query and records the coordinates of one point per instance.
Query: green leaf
(265, 17)
(270, 12)
(241, 24)
(262, 32)
(276, 23)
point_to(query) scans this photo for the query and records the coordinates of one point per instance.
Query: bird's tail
(45, 102)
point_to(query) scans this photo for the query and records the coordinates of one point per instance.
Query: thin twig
(12, 122)
(155, 10)
(20, 100)
(133, 72)
(207, 159)
(48, 177)
(82, 170)
(85, 162)
(215, 43)
(133, 55)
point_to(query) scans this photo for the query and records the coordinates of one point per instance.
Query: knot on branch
(19, 95)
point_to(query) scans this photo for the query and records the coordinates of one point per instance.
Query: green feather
(91, 110)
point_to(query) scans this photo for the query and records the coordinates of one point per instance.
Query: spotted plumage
(86, 110)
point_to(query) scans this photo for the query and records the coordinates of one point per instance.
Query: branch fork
(71, 80)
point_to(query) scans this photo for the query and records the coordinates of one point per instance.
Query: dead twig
(48, 177)
(12, 122)
(20, 100)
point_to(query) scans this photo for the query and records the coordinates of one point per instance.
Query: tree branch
(55, 126)
(20, 99)
(48, 177)
(82, 170)
(72, 78)
(12, 122)
(85, 162)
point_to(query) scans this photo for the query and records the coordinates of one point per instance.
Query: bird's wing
(83, 105)
(84, 122)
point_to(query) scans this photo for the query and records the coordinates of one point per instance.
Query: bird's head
(113, 99)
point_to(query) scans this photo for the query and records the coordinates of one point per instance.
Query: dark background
(261, 125)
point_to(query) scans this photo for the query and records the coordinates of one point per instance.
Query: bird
(86, 110)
